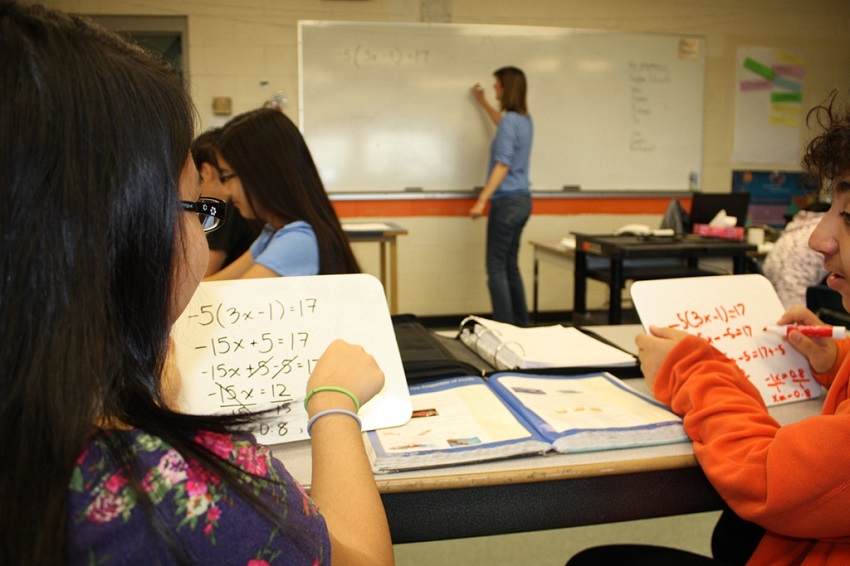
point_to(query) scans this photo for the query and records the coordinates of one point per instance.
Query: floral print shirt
(209, 520)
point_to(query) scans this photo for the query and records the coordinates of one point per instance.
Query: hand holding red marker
(810, 331)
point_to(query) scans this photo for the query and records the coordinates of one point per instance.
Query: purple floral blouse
(210, 521)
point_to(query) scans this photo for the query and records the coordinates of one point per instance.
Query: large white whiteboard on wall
(386, 107)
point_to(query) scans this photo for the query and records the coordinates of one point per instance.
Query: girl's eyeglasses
(210, 211)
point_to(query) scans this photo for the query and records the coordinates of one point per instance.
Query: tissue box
(725, 232)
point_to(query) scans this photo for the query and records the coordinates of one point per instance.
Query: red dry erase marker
(811, 331)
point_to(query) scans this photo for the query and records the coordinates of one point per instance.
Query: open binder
(470, 419)
(509, 347)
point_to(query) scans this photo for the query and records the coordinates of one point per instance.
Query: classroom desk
(542, 492)
(385, 234)
(556, 253)
(552, 252)
(620, 249)
(619, 335)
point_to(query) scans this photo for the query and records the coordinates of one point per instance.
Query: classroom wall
(247, 50)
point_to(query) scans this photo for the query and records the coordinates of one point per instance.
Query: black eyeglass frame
(210, 211)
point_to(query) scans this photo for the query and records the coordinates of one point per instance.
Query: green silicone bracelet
(338, 390)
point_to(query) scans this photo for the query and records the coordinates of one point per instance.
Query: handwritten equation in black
(257, 358)
(361, 55)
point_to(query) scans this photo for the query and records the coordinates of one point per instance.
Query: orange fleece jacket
(792, 480)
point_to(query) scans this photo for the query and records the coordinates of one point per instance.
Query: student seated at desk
(792, 481)
(102, 249)
(236, 234)
(270, 176)
(791, 265)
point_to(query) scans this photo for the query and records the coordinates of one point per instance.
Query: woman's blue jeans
(506, 220)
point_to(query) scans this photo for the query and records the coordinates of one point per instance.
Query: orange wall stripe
(460, 206)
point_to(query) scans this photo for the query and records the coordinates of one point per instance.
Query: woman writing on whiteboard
(507, 190)
(102, 249)
(268, 171)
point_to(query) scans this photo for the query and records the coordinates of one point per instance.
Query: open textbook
(247, 345)
(506, 347)
(470, 419)
(731, 313)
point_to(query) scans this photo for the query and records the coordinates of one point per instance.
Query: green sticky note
(778, 97)
(759, 68)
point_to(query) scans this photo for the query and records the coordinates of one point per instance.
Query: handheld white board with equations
(731, 313)
(251, 344)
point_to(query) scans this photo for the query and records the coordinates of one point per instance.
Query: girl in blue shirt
(507, 190)
(269, 173)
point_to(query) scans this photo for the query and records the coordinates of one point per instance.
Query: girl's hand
(347, 366)
(653, 349)
(820, 352)
(478, 92)
(477, 210)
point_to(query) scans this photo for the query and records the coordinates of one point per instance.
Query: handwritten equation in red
(725, 326)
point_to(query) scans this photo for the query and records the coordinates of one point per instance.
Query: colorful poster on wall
(769, 105)
(775, 196)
